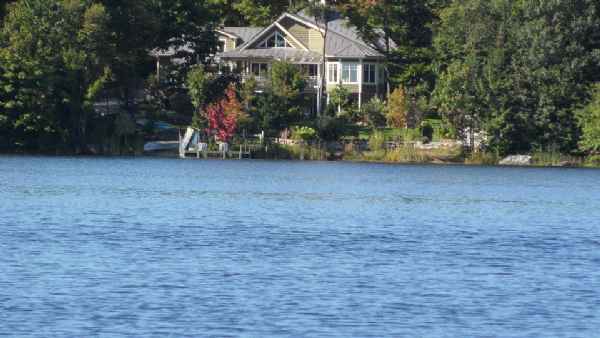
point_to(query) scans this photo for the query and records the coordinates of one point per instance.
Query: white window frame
(276, 34)
(349, 66)
(333, 67)
(369, 69)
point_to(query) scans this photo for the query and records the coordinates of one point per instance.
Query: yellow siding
(315, 40)
(309, 37)
(299, 31)
(229, 44)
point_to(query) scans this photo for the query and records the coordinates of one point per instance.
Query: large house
(298, 39)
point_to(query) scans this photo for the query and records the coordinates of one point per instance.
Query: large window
(349, 73)
(332, 74)
(260, 69)
(275, 41)
(369, 71)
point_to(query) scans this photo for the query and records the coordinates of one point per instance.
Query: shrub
(397, 109)
(334, 128)
(377, 141)
(592, 161)
(589, 121)
(373, 113)
(303, 133)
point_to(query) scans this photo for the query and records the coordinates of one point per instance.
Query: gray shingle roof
(341, 46)
(289, 54)
(341, 26)
(243, 33)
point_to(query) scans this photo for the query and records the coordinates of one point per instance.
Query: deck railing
(312, 82)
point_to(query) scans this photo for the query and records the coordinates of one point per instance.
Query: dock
(190, 145)
(231, 154)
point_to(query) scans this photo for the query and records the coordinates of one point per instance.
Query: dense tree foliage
(58, 56)
(589, 120)
(518, 69)
(521, 71)
(54, 61)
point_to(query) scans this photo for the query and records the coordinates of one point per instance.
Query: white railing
(312, 82)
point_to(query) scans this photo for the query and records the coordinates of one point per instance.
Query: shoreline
(357, 160)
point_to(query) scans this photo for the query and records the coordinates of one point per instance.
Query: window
(332, 74)
(310, 70)
(350, 73)
(369, 71)
(275, 41)
(260, 69)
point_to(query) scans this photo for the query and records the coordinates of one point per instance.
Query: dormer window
(276, 40)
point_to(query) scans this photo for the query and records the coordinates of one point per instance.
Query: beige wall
(230, 44)
(299, 31)
(315, 40)
(309, 37)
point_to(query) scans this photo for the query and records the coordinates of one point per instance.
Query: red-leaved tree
(223, 116)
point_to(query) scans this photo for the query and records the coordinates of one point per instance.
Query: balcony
(312, 82)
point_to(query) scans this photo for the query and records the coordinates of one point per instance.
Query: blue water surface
(146, 247)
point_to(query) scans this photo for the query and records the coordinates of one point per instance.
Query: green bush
(593, 161)
(373, 113)
(334, 128)
(303, 133)
(377, 141)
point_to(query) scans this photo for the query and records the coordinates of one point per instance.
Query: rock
(517, 160)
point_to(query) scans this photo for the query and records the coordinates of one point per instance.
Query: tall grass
(409, 154)
(483, 158)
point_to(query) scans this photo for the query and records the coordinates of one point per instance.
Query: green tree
(401, 30)
(517, 69)
(287, 80)
(589, 121)
(54, 59)
(340, 98)
(262, 12)
(198, 82)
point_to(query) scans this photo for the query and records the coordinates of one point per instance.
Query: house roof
(343, 41)
(341, 26)
(243, 33)
(290, 54)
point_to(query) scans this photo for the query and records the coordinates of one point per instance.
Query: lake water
(171, 248)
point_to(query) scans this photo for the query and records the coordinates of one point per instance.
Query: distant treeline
(522, 71)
